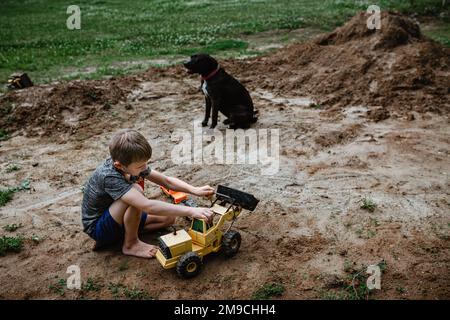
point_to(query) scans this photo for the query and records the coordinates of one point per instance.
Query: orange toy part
(177, 196)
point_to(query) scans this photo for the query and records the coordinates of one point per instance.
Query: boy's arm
(176, 184)
(159, 208)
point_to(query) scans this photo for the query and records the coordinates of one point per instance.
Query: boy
(114, 207)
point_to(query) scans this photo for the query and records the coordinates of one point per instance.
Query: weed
(354, 285)
(91, 285)
(368, 205)
(268, 291)
(12, 167)
(14, 244)
(401, 290)
(36, 239)
(119, 290)
(315, 106)
(115, 289)
(4, 135)
(374, 222)
(6, 195)
(12, 227)
(136, 294)
(59, 287)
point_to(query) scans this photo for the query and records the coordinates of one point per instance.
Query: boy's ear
(117, 165)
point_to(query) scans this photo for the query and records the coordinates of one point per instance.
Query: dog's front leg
(207, 111)
(215, 114)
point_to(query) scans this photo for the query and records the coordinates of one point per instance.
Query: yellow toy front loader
(186, 249)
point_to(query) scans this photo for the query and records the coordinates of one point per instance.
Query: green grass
(10, 244)
(119, 290)
(12, 227)
(115, 289)
(36, 239)
(59, 287)
(315, 106)
(368, 205)
(91, 285)
(401, 290)
(369, 229)
(365, 233)
(354, 285)
(6, 195)
(12, 167)
(440, 33)
(113, 32)
(268, 291)
(4, 135)
(136, 294)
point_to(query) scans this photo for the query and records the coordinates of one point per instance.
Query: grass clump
(268, 290)
(10, 244)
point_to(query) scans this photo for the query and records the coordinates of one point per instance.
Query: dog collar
(212, 74)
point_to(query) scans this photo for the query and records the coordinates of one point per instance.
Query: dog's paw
(226, 121)
(204, 123)
(213, 125)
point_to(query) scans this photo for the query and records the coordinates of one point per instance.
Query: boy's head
(130, 151)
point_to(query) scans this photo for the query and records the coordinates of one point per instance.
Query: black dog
(222, 93)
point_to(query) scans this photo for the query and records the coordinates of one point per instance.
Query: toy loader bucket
(240, 198)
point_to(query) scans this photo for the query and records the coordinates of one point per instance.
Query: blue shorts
(108, 231)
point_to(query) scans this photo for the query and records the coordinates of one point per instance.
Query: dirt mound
(391, 71)
(394, 70)
(337, 137)
(46, 110)
(395, 30)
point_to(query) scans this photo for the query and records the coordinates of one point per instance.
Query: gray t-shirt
(105, 186)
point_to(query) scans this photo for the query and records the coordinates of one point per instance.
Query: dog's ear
(210, 63)
(214, 62)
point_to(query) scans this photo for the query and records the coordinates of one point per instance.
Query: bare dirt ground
(309, 232)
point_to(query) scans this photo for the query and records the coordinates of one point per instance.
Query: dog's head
(202, 64)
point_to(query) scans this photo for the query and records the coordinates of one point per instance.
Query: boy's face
(138, 168)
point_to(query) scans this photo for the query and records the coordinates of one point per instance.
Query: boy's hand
(202, 213)
(204, 191)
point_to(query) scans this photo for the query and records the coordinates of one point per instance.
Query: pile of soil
(393, 70)
(55, 109)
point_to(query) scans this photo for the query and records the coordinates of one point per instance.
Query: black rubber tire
(231, 242)
(185, 265)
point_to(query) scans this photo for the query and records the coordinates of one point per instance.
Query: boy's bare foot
(140, 249)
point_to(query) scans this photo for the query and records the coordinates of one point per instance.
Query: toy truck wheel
(189, 265)
(231, 243)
